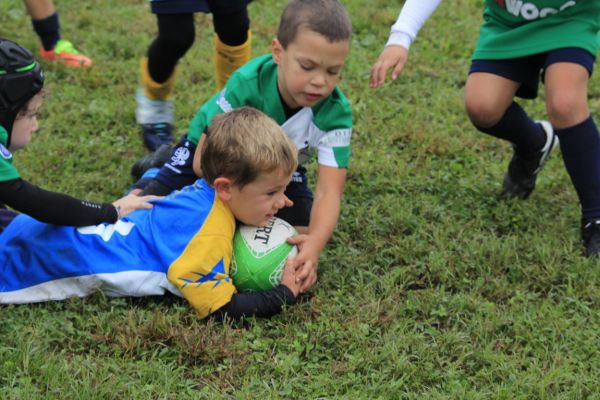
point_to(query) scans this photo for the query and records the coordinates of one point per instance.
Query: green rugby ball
(259, 255)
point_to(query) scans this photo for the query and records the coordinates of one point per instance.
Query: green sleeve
(334, 119)
(234, 95)
(7, 169)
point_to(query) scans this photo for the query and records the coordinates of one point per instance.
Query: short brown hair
(328, 18)
(25, 109)
(243, 144)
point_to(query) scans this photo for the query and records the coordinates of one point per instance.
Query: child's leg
(46, 24)
(490, 107)
(233, 39)
(566, 103)
(176, 35)
(154, 111)
(489, 103)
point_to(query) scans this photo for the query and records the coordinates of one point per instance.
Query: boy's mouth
(313, 96)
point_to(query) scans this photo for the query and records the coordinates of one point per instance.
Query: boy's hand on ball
(289, 276)
(306, 260)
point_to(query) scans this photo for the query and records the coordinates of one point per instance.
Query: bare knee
(484, 112)
(566, 109)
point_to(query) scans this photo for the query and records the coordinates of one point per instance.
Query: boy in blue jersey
(296, 86)
(182, 245)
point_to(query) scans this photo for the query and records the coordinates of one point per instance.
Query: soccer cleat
(519, 180)
(65, 52)
(153, 160)
(590, 233)
(156, 135)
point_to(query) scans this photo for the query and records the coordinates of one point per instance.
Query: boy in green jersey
(296, 86)
(521, 42)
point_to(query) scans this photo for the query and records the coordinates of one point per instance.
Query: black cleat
(590, 233)
(153, 160)
(156, 135)
(519, 180)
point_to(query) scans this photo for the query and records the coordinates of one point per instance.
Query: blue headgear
(21, 78)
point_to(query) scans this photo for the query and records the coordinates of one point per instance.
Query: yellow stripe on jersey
(201, 272)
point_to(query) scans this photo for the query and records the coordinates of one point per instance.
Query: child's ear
(276, 50)
(223, 188)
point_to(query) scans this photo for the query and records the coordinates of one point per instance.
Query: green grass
(431, 288)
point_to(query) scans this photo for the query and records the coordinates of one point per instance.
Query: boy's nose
(280, 203)
(318, 80)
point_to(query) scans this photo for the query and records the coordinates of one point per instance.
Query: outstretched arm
(323, 220)
(266, 303)
(412, 17)
(54, 208)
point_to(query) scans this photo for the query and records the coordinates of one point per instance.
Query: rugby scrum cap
(21, 78)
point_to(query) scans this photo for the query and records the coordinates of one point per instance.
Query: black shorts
(529, 70)
(221, 7)
(301, 195)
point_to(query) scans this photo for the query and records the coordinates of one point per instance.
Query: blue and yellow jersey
(182, 245)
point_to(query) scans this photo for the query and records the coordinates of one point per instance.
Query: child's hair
(328, 18)
(26, 108)
(244, 143)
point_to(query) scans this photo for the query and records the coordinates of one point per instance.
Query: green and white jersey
(325, 127)
(7, 169)
(518, 28)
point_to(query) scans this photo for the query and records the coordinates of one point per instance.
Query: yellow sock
(154, 90)
(230, 58)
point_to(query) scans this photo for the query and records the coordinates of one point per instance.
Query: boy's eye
(306, 67)
(333, 71)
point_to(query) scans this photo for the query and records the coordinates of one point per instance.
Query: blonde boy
(182, 245)
(296, 86)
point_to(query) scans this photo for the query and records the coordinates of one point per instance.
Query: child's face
(25, 124)
(257, 202)
(309, 68)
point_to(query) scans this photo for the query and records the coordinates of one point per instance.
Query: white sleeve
(412, 17)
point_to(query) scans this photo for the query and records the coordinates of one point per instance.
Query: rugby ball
(259, 255)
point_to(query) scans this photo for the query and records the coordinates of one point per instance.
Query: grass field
(431, 288)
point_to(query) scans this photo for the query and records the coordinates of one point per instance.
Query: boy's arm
(259, 304)
(323, 220)
(201, 275)
(54, 208)
(266, 303)
(412, 17)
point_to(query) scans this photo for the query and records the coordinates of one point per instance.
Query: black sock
(580, 147)
(176, 33)
(516, 127)
(48, 29)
